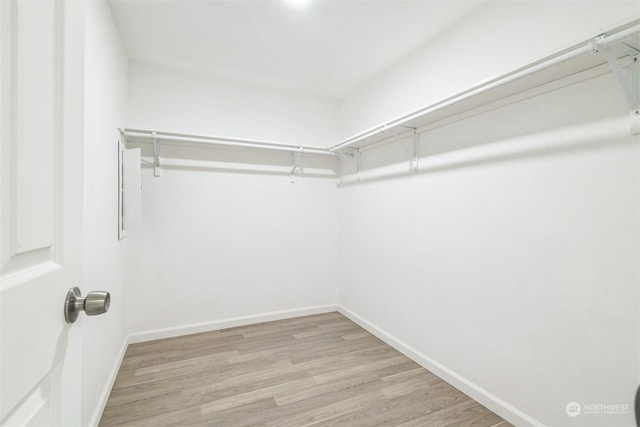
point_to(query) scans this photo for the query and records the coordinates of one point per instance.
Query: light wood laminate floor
(320, 370)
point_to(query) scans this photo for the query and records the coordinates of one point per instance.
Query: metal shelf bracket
(416, 154)
(342, 155)
(156, 155)
(294, 165)
(629, 83)
(413, 153)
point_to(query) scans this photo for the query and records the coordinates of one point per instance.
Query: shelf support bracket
(413, 162)
(358, 164)
(397, 140)
(344, 156)
(635, 87)
(630, 85)
(625, 84)
(156, 155)
(294, 165)
(415, 155)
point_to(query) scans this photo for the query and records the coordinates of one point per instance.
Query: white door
(41, 128)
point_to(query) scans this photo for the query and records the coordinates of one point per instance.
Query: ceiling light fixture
(298, 3)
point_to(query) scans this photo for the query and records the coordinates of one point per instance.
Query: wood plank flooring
(320, 370)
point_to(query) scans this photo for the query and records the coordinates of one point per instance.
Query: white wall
(175, 101)
(495, 39)
(228, 236)
(103, 264)
(509, 263)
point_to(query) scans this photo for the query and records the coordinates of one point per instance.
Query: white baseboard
(228, 323)
(106, 391)
(495, 404)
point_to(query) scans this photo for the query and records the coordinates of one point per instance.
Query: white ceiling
(324, 48)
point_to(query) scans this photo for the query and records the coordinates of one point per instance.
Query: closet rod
(233, 142)
(591, 47)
